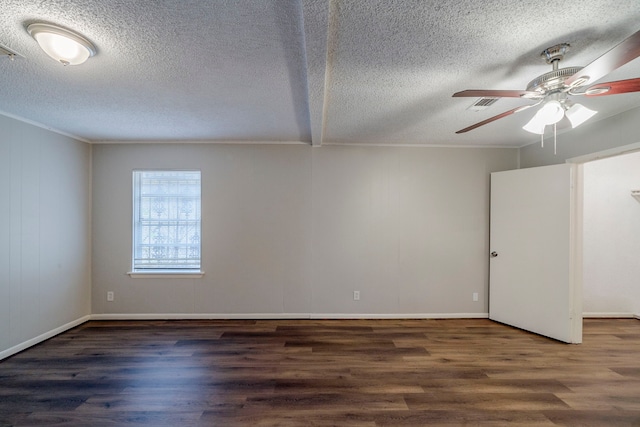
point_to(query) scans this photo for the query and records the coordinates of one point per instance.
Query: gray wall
(294, 230)
(407, 227)
(591, 137)
(256, 208)
(45, 247)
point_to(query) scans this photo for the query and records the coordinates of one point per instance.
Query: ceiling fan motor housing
(553, 80)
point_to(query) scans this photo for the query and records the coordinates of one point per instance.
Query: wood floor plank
(324, 373)
(595, 418)
(446, 400)
(463, 417)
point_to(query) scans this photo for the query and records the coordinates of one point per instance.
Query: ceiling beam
(316, 15)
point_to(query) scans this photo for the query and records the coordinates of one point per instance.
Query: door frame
(575, 251)
(577, 217)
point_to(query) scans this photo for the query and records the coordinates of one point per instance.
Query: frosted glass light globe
(62, 45)
(550, 113)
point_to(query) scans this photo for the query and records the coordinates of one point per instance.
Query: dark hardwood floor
(324, 373)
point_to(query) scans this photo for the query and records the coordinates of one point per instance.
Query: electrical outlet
(475, 296)
(356, 295)
(110, 296)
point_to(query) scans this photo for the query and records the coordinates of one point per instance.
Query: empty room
(319, 213)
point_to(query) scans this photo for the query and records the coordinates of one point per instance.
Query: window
(166, 221)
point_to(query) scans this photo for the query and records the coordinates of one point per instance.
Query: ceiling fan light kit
(553, 89)
(553, 111)
(64, 46)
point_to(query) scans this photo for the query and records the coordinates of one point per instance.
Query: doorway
(611, 236)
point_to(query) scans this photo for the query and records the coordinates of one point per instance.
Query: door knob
(494, 254)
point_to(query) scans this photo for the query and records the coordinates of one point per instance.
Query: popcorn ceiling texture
(311, 71)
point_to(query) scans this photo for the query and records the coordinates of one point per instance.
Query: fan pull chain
(554, 139)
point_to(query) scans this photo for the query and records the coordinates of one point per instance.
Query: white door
(533, 265)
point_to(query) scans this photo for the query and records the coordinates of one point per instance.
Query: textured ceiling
(311, 71)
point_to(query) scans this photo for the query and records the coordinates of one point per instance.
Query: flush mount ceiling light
(62, 45)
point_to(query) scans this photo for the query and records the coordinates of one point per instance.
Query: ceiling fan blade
(494, 118)
(475, 93)
(625, 52)
(613, 88)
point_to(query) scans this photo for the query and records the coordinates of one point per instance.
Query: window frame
(160, 272)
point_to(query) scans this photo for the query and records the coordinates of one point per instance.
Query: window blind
(167, 220)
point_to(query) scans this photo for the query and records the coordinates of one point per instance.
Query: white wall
(293, 230)
(612, 235)
(45, 247)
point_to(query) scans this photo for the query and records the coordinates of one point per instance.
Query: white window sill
(168, 274)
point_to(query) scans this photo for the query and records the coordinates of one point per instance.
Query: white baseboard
(400, 316)
(266, 316)
(197, 316)
(614, 315)
(37, 340)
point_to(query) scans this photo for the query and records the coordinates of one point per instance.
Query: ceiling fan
(553, 90)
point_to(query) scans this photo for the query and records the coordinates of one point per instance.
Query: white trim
(333, 143)
(266, 316)
(45, 127)
(196, 316)
(400, 316)
(612, 315)
(420, 145)
(196, 141)
(575, 252)
(165, 275)
(52, 333)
